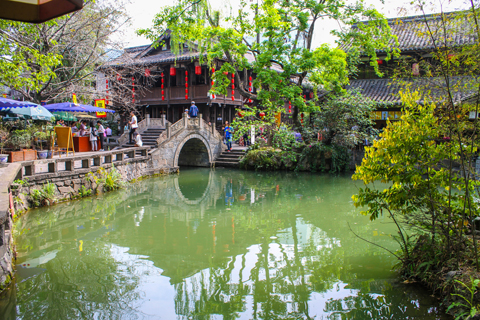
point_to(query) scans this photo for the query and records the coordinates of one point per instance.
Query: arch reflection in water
(252, 246)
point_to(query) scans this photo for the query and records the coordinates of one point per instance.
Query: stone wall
(7, 252)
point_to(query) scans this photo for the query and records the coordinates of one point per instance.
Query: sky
(142, 13)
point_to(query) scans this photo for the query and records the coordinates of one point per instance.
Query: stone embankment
(69, 176)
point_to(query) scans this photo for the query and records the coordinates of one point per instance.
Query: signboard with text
(100, 103)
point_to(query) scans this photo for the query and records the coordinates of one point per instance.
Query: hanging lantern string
(213, 81)
(162, 86)
(233, 86)
(250, 89)
(186, 84)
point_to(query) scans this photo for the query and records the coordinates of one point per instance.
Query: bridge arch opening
(194, 153)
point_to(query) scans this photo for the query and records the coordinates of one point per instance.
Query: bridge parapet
(205, 146)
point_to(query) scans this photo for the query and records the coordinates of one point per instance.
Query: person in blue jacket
(193, 112)
(228, 134)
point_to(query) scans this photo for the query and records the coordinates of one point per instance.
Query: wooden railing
(88, 161)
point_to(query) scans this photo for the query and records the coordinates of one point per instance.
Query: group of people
(95, 133)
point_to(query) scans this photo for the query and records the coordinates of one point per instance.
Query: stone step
(230, 156)
(229, 164)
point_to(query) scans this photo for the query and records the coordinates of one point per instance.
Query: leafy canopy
(273, 40)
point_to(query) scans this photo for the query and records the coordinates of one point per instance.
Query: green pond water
(206, 244)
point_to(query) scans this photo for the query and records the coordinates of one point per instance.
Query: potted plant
(42, 138)
(16, 142)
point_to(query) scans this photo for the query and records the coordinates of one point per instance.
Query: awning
(9, 103)
(71, 107)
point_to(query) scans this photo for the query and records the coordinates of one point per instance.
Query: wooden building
(179, 80)
(415, 67)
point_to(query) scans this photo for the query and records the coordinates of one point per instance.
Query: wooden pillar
(223, 114)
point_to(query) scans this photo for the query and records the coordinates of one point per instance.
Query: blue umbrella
(35, 113)
(9, 103)
(71, 107)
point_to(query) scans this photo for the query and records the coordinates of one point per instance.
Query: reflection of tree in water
(87, 288)
(266, 255)
(395, 302)
(83, 280)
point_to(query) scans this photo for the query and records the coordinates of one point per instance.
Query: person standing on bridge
(193, 112)
(228, 135)
(133, 125)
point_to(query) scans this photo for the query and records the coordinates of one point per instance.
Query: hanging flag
(100, 103)
(278, 118)
(74, 99)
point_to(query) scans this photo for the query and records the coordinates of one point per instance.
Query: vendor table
(82, 144)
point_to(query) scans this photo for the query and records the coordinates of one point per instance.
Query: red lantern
(250, 101)
(186, 85)
(186, 90)
(240, 114)
(163, 92)
(233, 98)
(233, 86)
(162, 80)
(161, 86)
(198, 70)
(186, 97)
(213, 95)
(262, 114)
(147, 72)
(186, 73)
(380, 61)
(311, 95)
(302, 115)
(163, 98)
(289, 107)
(173, 71)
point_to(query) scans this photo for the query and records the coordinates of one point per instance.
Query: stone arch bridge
(187, 142)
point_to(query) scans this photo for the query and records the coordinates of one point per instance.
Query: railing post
(213, 128)
(169, 131)
(200, 120)
(164, 120)
(148, 120)
(185, 120)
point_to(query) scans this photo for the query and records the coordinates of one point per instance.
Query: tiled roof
(413, 35)
(386, 91)
(134, 57)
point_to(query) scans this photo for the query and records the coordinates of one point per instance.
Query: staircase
(149, 137)
(230, 159)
